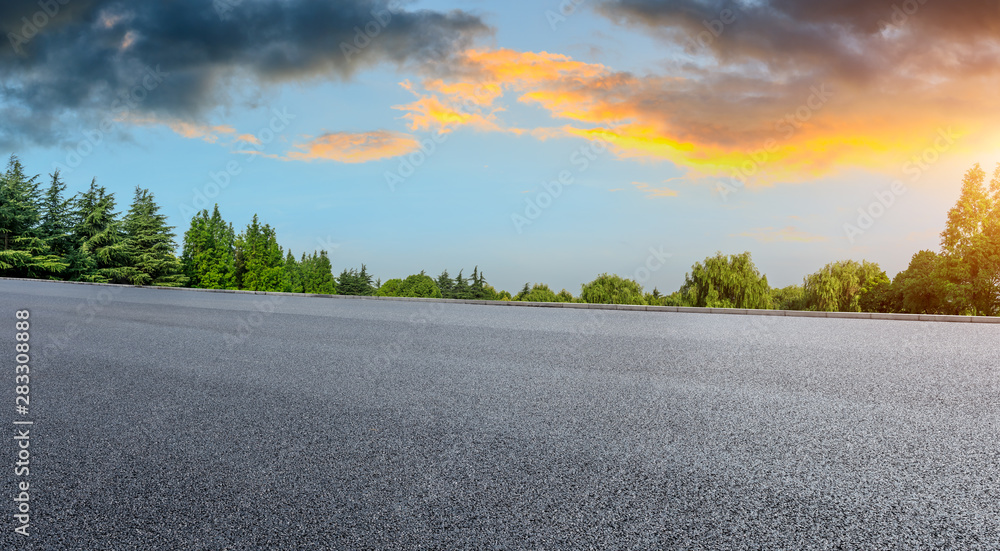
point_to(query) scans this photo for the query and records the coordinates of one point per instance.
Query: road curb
(618, 307)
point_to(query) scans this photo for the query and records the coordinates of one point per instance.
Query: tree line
(45, 234)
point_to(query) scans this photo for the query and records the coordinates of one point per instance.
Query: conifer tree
(23, 252)
(260, 264)
(294, 273)
(208, 252)
(150, 244)
(101, 236)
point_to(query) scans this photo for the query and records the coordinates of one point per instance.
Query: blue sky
(682, 121)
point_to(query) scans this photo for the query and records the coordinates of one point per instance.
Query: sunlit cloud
(714, 123)
(185, 129)
(248, 138)
(654, 192)
(354, 147)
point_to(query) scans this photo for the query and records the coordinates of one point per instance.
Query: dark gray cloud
(69, 62)
(855, 41)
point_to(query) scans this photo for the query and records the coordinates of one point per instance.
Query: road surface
(169, 419)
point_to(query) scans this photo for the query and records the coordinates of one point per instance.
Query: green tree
(354, 282)
(446, 284)
(293, 274)
(728, 282)
(612, 289)
(539, 292)
(920, 289)
(970, 244)
(101, 236)
(840, 286)
(151, 243)
(259, 261)
(792, 297)
(317, 274)
(208, 253)
(416, 285)
(25, 250)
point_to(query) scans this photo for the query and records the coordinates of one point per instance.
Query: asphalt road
(184, 420)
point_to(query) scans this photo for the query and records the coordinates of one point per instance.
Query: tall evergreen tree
(294, 273)
(320, 279)
(354, 282)
(260, 264)
(24, 252)
(446, 285)
(100, 234)
(208, 254)
(150, 243)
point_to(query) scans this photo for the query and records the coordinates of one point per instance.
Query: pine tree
(260, 264)
(208, 252)
(23, 251)
(446, 284)
(321, 275)
(150, 243)
(101, 236)
(461, 287)
(353, 282)
(294, 273)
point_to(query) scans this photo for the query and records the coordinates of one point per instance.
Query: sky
(542, 141)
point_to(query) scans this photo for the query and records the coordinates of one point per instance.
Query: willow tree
(731, 281)
(840, 286)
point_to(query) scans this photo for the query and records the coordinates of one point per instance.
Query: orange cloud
(731, 124)
(653, 192)
(190, 130)
(359, 147)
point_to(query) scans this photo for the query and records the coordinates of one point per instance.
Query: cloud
(792, 234)
(360, 147)
(783, 91)
(74, 69)
(190, 130)
(653, 192)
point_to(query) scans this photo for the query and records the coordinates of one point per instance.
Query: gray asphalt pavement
(185, 420)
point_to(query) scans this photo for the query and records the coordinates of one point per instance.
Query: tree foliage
(259, 261)
(355, 282)
(840, 286)
(612, 289)
(150, 244)
(538, 292)
(728, 282)
(209, 250)
(416, 285)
